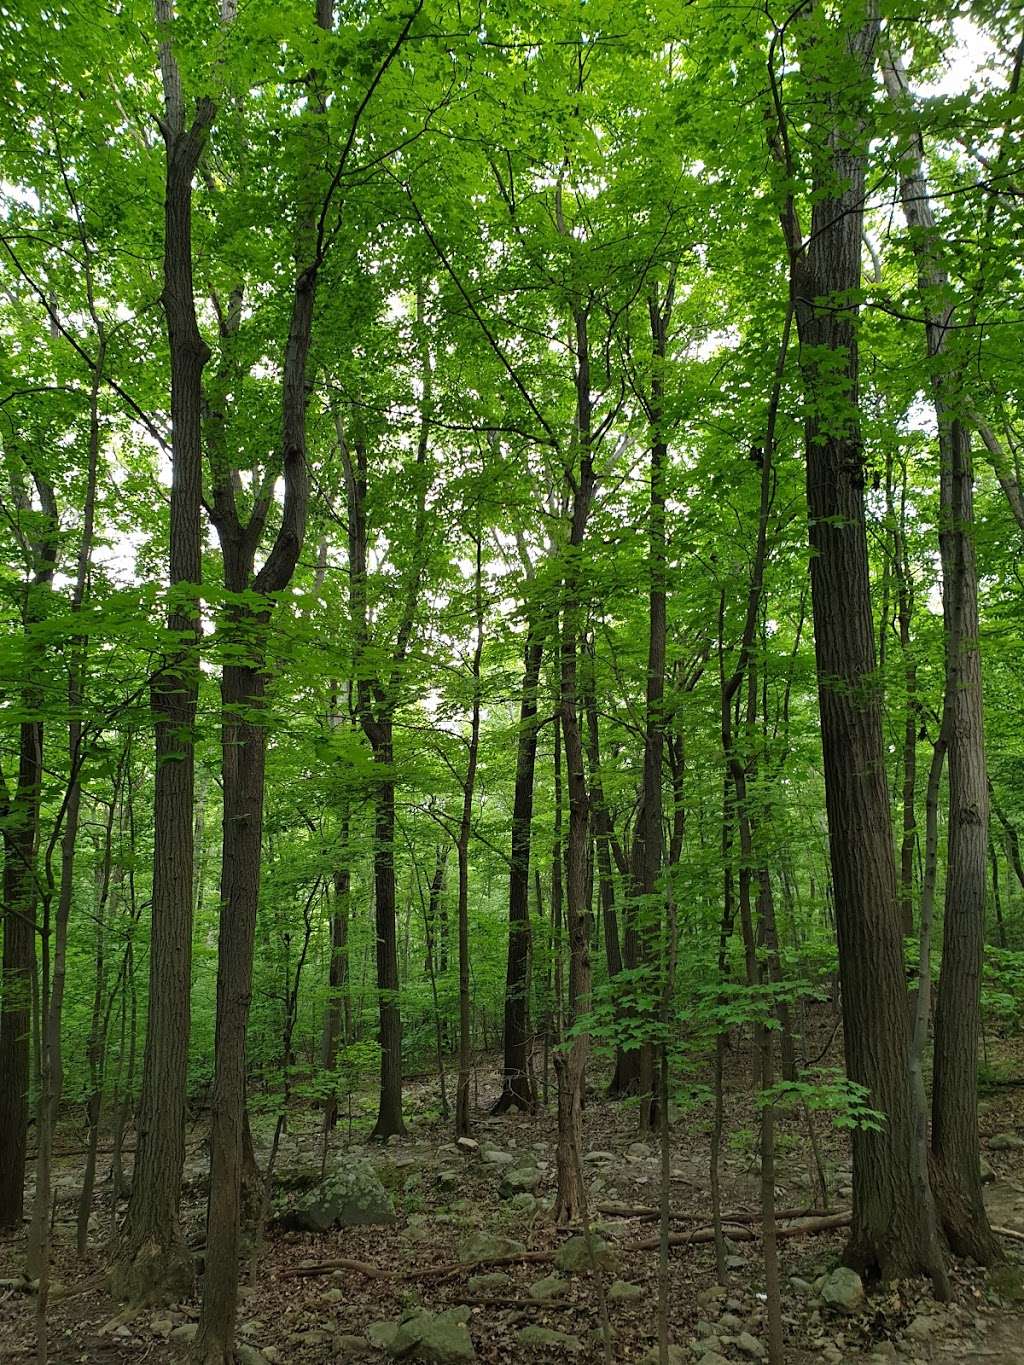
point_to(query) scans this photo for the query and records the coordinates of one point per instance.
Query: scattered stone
(312, 1336)
(624, 1292)
(351, 1196)
(831, 1355)
(550, 1287)
(676, 1356)
(735, 1263)
(252, 1328)
(986, 1172)
(272, 1355)
(439, 1338)
(547, 1336)
(578, 1254)
(348, 1346)
(638, 1151)
(381, 1334)
(600, 1156)
(494, 1157)
(749, 1346)
(162, 1327)
(730, 1322)
(332, 1296)
(483, 1246)
(705, 1328)
(186, 1331)
(247, 1354)
(489, 1284)
(885, 1351)
(712, 1296)
(467, 1145)
(843, 1290)
(523, 1202)
(1007, 1281)
(801, 1286)
(522, 1180)
(923, 1327)
(1006, 1142)
(710, 1358)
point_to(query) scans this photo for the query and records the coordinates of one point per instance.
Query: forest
(511, 681)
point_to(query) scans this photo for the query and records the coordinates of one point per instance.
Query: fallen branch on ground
(741, 1234)
(648, 1214)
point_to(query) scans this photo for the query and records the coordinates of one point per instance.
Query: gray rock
(749, 1346)
(494, 1157)
(577, 1255)
(247, 1354)
(735, 1263)
(489, 1284)
(381, 1334)
(521, 1180)
(843, 1290)
(333, 1296)
(1006, 1142)
(547, 1336)
(187, 1331)
(349, 1347)
(437, 1338)
(923, 1327)
(524, 1202)
(711, 1358)
(712, 1297)
(676, 1356)
(467, 1145)
(801, 1286)
(731, 1322)
(624, 1292)
(550, 1287)
(350, 1197)
(600, 1156)
(482, 1246)
(986, 1172)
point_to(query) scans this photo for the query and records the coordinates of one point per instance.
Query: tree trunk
(389, 1114)
(886, 1234)
(516, 1086)
(154, 1263)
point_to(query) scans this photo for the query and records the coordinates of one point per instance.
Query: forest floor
(442, 1194)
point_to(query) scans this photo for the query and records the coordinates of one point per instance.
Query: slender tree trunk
(389, 1114)
(516, 1086)
(153, 1262)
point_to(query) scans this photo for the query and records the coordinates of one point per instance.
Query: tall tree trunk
(153, 1261)
(338, 1015)
(956, 1152)
(886, 1234)
(516, 1085)
(389, 1114)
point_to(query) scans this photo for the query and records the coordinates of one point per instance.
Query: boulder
(843, 1290)
(437, 1338)
(676, 1356)
(550, 1287)
(624, 1292)
(486, 1246)
(1006, 1142)
(578, 1255)
(521, 1180)
(489, 1284)
(350, 1197)
(547, 1336)
(750, 1347)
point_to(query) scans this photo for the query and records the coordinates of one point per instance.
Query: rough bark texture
(955, 1147)
(516, 1084)
(886, 1233)
(154, 1263)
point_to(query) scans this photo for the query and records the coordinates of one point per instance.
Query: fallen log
(826, 1223)
(648, 1215)
(371, 1272)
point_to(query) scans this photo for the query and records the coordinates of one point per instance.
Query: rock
(843, 1291)
(272, 1355)
(247, 1354)
(352, 1196)
(332, 1296)
(712, 1296)
(600, 1156)
(482, 1246)
(731, 1322)
(638, 1151)
(187, 1331)
(885, 1351)
(831, 1355)
(489, 1284)
(312, 1336)
(254, 1327)
(1007, 1281)
(923, 1327)
(550, 1287)
(494, 1157)
(735, 1263)
(522, 1180)
(709, 1358)
(801, 1286)
(624, 1292)
(705, 1328)
(749, 1346)
(577, 1255)
(1006, 1142)
(986, 1172)
(381, 1334)
(439, 1338)
(524, 1202)
(162, 1327)
(676, 1356)
(467, 1145)
(547, 1336)
(710, 1345)
(348, 1346)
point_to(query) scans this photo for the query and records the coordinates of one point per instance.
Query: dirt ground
(441, 1194)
